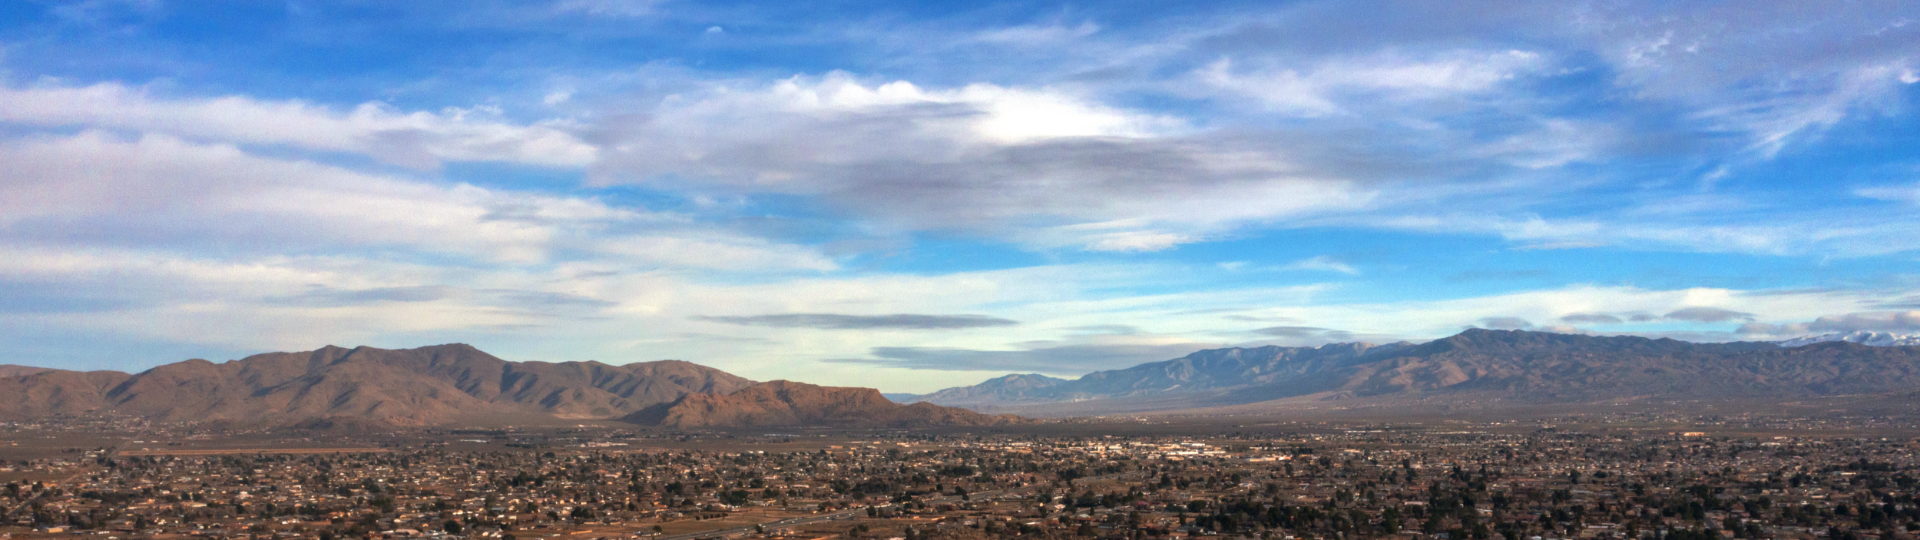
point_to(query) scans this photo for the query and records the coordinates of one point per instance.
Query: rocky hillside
(1515, 367)
(1875, 339)
(1206, 373)
(1016, 388)
(792, 404)
(429, 385)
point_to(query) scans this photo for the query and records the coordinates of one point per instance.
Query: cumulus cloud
(413, 139)
(831, 321)
(1039, 167)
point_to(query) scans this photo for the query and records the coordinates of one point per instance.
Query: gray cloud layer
(1591, 318)
(1870, 321)
(1059, 360)
(1708, 315)
(1505, 323)
(541, 301)
(830, 321)
(1317, 333)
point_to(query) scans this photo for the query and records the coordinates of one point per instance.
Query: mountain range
(458, 384)
(449, 384)
(1872, 339)
(1507, 366)
(787, 403)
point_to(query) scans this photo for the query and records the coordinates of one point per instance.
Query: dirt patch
(230, 451)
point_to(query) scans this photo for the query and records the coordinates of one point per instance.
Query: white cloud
(1322, 263)
(1712, 228)
(1037, 35)
(1330, 85)
(609, 8)
(1044, 168)
(1771, 73)
(1556, 142)
(1904, 194)
(1775, 120)
(165, 193)
(1868, 321)
(1137, 241)
(717, 251)
(1428, 319)
(413, 139)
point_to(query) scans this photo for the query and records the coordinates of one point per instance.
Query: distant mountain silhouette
(1204, 377)
(788, 403)
(1017, 388)
(1506, 365)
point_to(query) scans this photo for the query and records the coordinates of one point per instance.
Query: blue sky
(920, 195)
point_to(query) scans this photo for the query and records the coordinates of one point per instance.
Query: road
(857, 512)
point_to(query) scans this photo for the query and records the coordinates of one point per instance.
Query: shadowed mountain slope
(787, 403)
(1185, 381)
(1508, 366)
(427, 385)
(1016, 388)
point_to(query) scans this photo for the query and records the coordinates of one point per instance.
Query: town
(1448, 482)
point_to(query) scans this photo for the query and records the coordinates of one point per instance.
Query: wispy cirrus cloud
(834, 321)
(1334, 86)
(1072, 359)
(1866, 321)
(765, 186)
(1708, 314)
(414, 139)
(1322, 263)
(96, 188)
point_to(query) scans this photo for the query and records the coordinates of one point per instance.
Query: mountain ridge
(1512, 366)
(1871, 339)
(437, 384)
(793, 404)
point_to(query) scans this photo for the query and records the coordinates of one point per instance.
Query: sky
(917, 195)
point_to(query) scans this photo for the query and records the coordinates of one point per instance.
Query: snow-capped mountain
(1872, 339)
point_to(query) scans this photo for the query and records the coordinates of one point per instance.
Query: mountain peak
(436, 384)
(1871, 339)
(789, 403)
(1477, 365)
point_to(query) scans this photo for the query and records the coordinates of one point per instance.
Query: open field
(250, 450)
